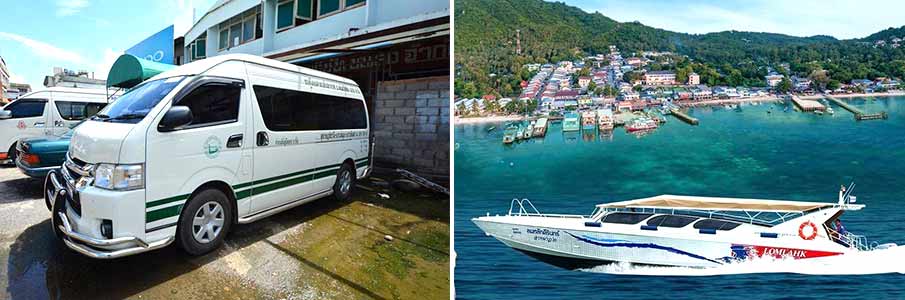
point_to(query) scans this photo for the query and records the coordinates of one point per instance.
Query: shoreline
(855, 95)
(508, 118)
(732, 101)
(492, 119)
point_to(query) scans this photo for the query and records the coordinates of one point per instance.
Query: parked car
(35, 157)
(45, 113)
(197, 149)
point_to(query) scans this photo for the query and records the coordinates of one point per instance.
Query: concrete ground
(322, 249)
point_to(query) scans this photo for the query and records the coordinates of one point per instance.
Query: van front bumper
(75, 230)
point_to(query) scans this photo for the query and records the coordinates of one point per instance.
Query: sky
(82, 34)
(840, 19)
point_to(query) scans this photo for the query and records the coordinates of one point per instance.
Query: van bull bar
(61, 197)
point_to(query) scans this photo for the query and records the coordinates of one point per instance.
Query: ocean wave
(880, 261)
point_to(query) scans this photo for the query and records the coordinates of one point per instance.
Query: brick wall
(411, 125)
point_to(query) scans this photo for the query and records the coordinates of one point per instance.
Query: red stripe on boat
(780, 252)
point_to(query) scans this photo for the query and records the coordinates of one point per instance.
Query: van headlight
(119, 177)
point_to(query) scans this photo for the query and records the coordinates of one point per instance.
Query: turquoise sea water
(744, 152)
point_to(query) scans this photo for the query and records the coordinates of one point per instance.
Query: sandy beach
(733, 101)
(886, 94)
(490, 119)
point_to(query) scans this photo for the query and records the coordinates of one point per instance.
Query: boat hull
(574, 247)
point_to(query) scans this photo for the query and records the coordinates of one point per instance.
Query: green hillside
(486, 31)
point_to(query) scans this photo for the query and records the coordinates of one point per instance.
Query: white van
(192, 151)
(47, 112)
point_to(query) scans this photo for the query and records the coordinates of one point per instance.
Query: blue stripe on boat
(641, 245)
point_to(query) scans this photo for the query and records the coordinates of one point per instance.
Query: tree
(785, 85)
(491, 106)
(511, 107)
(682, 74)
(819, 79)
(833, 84)
(592, 87)
(461, 109)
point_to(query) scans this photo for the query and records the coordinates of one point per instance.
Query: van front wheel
(204, 222)
(345, 180)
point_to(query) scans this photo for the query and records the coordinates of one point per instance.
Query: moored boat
(570, 122)
(589, 120)
(509, 134)
(540, 127)
(684, 231)
(642, 123)
(605, 120)
(529, 131)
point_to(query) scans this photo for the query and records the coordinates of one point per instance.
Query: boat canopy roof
(541, 122)
(725, 204)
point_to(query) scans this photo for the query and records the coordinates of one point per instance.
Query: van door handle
(263, 139)
(234, 141)
(39, 124)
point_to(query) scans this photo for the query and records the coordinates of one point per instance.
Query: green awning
(129, 71)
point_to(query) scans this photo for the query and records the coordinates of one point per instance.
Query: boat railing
(852, 240)
(750, 217)
(524, 207)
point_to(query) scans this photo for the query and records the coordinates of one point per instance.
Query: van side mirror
(5, 114)
(177, 116)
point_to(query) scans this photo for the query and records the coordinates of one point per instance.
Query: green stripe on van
(362, 163)
(166, 200)
(321, 172)
(162, 213)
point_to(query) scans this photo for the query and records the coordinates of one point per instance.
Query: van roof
(58, 89)
(200, 66)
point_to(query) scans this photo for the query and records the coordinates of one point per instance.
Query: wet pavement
(323, 249)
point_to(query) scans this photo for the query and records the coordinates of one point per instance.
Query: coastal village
(606, 91)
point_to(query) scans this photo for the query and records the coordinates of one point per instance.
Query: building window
(290, 13)
(329, 7)
(285, 15)
(201, 48)
(224, 38)
(304, 9)
(197, 49)
(240, 29)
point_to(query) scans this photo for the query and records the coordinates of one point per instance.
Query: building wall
(410, 123)
(374, 15)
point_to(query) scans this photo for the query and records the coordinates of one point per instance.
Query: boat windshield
(625, 217)
(133, 106)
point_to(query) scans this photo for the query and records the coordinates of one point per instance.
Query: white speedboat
(673, 230)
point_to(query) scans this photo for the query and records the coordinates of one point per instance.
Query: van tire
(345, 180)
(186, 229)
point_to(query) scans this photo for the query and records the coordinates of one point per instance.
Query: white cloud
(45, 50)
(13, 77)
(102, 68)
(70, 7)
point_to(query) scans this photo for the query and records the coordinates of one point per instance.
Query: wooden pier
(859, 115)
(807, 105)
(684, 117)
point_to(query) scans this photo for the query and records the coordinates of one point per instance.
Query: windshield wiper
(128, 117)
(101, 117)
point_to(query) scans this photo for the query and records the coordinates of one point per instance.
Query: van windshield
(135, 104)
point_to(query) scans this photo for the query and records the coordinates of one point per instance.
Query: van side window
(289, 110)
(73, 111)
(26, 108)
(213, 103)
